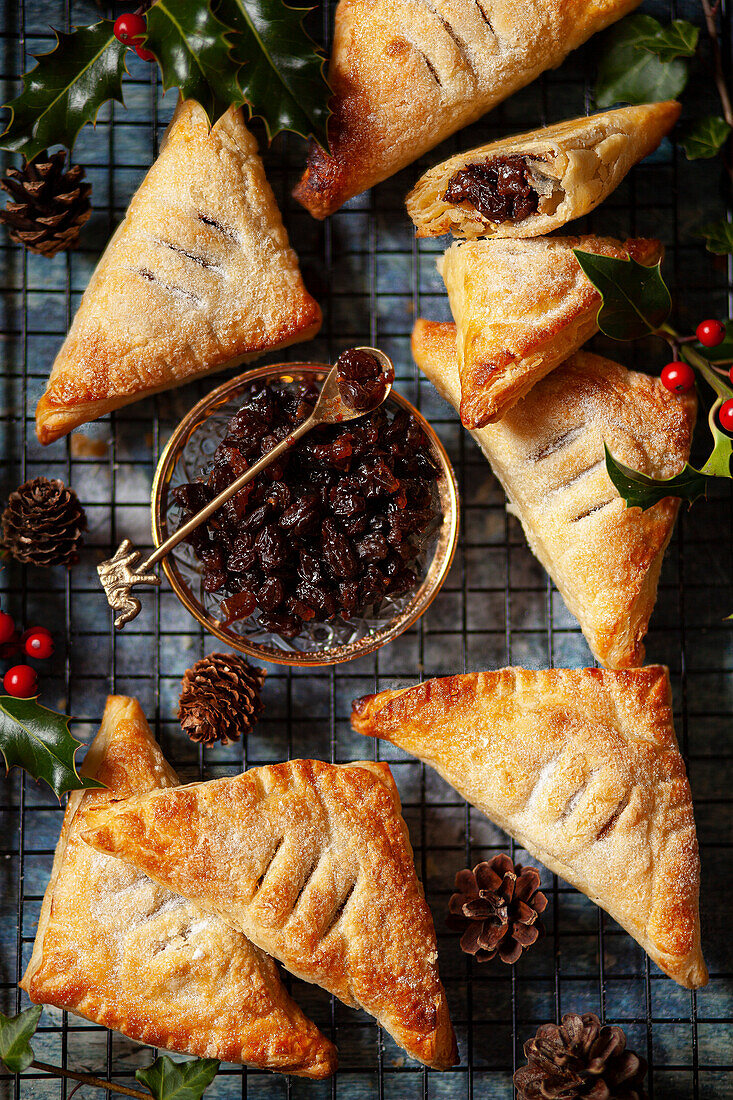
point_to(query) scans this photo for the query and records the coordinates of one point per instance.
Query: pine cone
(497, 907)
(220, 699)
(48, 206)
(43, 522)
(579, 1058)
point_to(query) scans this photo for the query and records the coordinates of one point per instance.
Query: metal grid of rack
(496, 608)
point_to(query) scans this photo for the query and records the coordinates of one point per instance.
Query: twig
(711, 13)
(88, 1079)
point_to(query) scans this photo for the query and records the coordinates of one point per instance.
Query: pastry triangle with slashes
(119, 949)
(533, 183)
(312, 861)
(406, 74)
(521, 308)
(547, 452)
(198, 276)
(582, 767)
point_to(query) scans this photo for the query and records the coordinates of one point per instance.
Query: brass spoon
(119, 573)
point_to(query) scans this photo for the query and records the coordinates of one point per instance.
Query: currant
(678, 377)
(710, 333)
(20, 681)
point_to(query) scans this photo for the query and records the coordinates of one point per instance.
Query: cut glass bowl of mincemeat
(328, 542)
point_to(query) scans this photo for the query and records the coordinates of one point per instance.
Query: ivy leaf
(627, 74)
(718, 236)
(66, 89)
(38, 739)
(705, 138)
(679, 39)
(641, 491)
(191, 47)
(281, 70)
(636, 300)
(16, 1052)
(169, 1080)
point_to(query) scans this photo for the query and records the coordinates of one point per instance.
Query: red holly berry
(7, 628)
(730, 374)
(20, 681)
(38, 643)
(678, 377)
(143, 54)
(129, 27)
(711, 333)
(725, 416)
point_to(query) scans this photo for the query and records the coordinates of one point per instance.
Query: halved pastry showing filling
(312, 861)
(582, 767)
(528, 185)
(548, 454)
(521, 308)
(121, 950)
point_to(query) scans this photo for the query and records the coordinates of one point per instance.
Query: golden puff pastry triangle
(548, 454)
(120, 950)
(582, 767)
(521, 308)
(555, 174)
(407, 74)
(198, 276)
(312, 861)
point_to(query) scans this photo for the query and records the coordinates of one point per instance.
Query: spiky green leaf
(718, 465)
(627, 74)
(705, 137)
(16, 1032)
(65, 89)
(191, 47)
(678, 39)
(169, 1080)
(282, 70)
(718, 236)
(38, 739)
(635, 298)
(640, 491)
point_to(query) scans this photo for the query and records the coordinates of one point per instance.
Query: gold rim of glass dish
(439, 554)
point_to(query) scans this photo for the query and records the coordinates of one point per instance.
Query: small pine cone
(220, 699)
(43, 523)
(496, 907)
(48, 206)
(580, 1060)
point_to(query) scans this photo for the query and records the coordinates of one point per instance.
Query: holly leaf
(169, 1080)
(705, 137)
(640, 491)
(627, 74)
(718, 465)
(191, 47)
(281, 71)
(16, 1032)
(66, 89)
(38, 739)
(635, 298)
(679, 39)
(718, 236)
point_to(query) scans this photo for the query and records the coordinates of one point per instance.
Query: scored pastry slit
(339, 911)
(210, 265)
(609, 825)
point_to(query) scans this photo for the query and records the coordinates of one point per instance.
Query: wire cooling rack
(496, 608)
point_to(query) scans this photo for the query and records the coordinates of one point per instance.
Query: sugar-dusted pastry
(198, 276)
(407, 74)
(119, 949)
(313, 862)
(581, 766)
(548, 454)
(521, 308)
(530, 184)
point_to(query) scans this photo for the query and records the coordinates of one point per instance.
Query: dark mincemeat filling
(500, 191)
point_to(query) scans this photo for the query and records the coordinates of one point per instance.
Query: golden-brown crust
(582, 767)
(521, 308)
(313, 862)
(406, 76)
(119, 950)
(548, 454)
(575, 165)
(199, 276)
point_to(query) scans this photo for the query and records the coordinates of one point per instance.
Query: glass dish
(188, 452)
